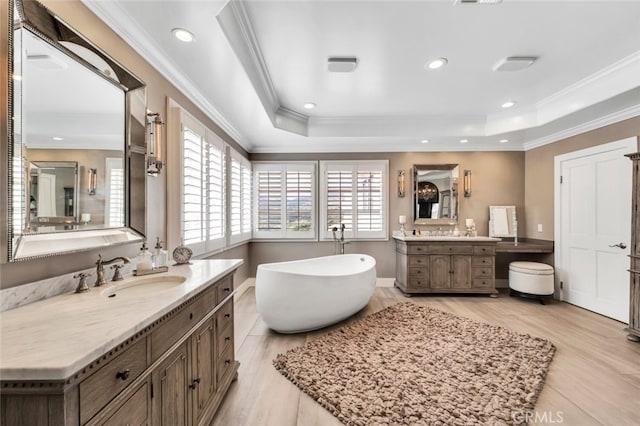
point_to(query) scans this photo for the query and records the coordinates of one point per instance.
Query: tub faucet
(100, 267)
(340, 242)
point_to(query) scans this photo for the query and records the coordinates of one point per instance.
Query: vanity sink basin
(144, 285)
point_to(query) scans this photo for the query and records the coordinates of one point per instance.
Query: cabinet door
(170, 387)
(439, 271)
(461, 268)
(203, 370)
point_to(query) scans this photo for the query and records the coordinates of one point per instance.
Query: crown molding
(615, 117)
(237, 27)
(292, 121)
(112, 14)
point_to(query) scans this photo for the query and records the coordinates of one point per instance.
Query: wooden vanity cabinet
(174, 372)
(634, 270)
(445, 266)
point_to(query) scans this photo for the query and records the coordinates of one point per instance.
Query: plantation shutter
(284, 200)
(193, 180)
(240, 198)
(354, 194)
(114, 203)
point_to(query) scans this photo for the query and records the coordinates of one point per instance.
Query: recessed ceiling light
(508, 104)
(424, 141)
(182, 34)
(309, 105)
(436, 63)
(464, 140)
(504, 140)
(57, 138)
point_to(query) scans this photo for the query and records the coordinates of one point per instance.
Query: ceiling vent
(342, 64)
(514, 63)
(476, 1)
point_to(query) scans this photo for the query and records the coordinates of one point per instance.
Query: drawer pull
(191, 315)
(227, 315)
(123, 375)
(194, 383)
(227, 338)
(226, 289)
(228, 362)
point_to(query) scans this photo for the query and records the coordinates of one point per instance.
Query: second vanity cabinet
(464, 265)
(174, 371)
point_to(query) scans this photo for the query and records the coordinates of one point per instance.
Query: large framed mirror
(435, 194)
(76, 152)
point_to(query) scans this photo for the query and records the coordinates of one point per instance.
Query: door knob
(620, 245)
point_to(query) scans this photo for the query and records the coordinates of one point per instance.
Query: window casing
(284, 200)
(354, 194)
(200, 194)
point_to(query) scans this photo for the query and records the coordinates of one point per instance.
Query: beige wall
(498, 179)
(158, 89)
(539, 170)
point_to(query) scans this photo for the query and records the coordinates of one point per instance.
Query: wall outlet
(539, 227)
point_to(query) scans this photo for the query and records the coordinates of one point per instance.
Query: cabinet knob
(123, 375)
(226, 289)
(227, 338)
(228, 362)
(194, 383)
(227, 315)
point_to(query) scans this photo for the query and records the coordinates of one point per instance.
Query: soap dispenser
(144, 260)
(159, 255)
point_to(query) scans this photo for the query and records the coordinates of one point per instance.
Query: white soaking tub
(304, 295)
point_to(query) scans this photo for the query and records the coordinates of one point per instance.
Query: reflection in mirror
(503, 222)
(52, 191)
(435, 194)
(74, 138)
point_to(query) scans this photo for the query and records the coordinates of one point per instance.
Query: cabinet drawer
(482, 260)
(418, 260)
(225, 339)
(484, 250)
(417, 249)
(225, 288)
(417, 283)
(483, 283)
(224, 363)
(101, 387)
(483, 272)
(163, 337)
(450, 249)
(224, 316)
(418, 272)
(134, 412)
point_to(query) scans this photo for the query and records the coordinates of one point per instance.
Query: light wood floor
(594, 378)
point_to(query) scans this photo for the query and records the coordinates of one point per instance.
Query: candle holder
(402, 219)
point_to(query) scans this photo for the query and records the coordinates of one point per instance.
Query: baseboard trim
(249, 282)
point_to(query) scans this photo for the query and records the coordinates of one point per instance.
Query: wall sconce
(401, 183)
(93, 181)
(154, 143)
(467, 183)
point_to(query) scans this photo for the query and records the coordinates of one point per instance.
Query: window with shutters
(354, 195)
(114, 188)
(284, 200)
(200, 189)
(239, 198)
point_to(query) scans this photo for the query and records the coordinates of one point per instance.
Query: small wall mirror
(76, 149)
(503, 222)
(435, 194)
(53, 191)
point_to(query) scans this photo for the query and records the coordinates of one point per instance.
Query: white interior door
(595, 228)
(46, 194)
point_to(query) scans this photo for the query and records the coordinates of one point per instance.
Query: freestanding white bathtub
(304, 295)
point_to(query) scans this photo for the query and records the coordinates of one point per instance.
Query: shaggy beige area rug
(414, 365)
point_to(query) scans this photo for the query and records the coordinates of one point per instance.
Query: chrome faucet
(340, 243)
(100, 267)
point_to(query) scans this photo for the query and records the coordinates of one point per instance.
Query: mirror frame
(454, 200)
(44, 24)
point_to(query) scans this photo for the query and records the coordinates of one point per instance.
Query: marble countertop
(453, 239)
(53, 338)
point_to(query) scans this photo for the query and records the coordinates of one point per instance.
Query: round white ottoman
(532, 279)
